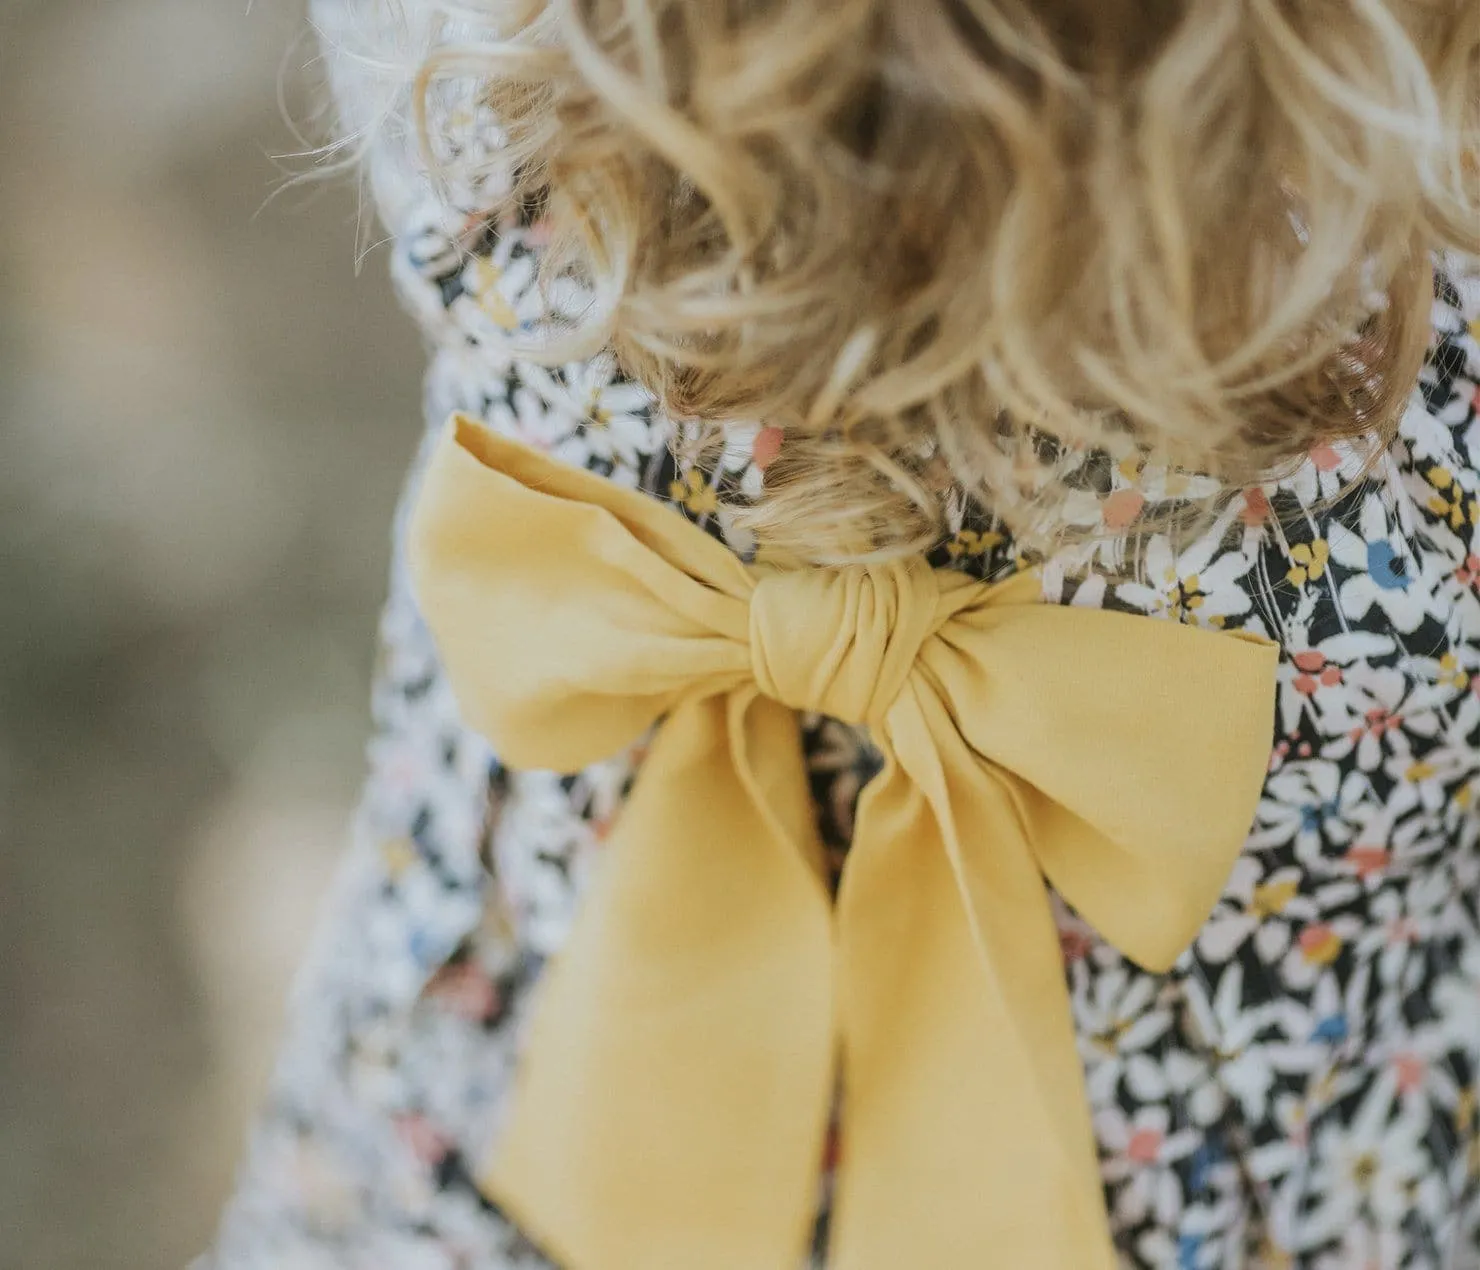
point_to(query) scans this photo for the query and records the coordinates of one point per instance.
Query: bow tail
(966, 1136)
(678, 1074)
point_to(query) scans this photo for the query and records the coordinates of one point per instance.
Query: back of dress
(1301, 1088)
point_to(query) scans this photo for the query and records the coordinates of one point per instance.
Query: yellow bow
(683, 1053)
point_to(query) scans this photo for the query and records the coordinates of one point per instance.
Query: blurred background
(204, 416)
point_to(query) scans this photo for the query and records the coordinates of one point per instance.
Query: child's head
(920, 234)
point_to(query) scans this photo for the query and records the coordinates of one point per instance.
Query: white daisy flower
(1140, 1147)
(1259, 906)
(1367, 1166)
(1119, 1019)
(501, 294)
(1194, 587)
(1310, 803)
(1234, 1029)
(1328, 469)
(1382, 569)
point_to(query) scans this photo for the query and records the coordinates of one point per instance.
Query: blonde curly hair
(944, 243)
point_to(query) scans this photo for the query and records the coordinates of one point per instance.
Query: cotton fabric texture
(1298, 1090)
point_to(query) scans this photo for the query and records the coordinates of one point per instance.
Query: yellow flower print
(1450, 672)
(487, 276)
(1449, 500)
(695, 494)
(1107, 1042)
(1419, 772)
(971, 543)
(1187, 596)
(1310, 560)
(1465, 1108)
(1364, 1170)
(1271, 898)
(1320, 945)
(399, 855)
(1273, 1257)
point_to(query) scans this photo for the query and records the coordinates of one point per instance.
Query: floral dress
(1301, 1090)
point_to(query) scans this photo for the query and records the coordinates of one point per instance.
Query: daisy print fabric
(1301, 1090)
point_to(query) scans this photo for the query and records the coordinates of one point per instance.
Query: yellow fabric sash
(682, 1056)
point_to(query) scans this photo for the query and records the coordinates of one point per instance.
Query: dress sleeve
(394, 1024)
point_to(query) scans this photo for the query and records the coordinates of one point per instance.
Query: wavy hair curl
(922, 236)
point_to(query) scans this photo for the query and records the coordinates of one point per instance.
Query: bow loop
(1125, 838)
(841, 642)
(533, 643)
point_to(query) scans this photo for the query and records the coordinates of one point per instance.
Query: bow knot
(842, 641)
(690, 1037)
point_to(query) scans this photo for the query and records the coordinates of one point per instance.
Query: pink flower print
(1315, 672)
(765, 447)
(1144, 1146)
(1074, 944)
(1378, 721)
(1468, 574)
(1120, 509)
(1325, 458)
(1256, 507)
(423, 1139)
(1320, 944)
(466, 990)
(1368, 860)
(1408, 1071)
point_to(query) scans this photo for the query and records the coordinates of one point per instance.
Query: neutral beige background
(204, 414)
